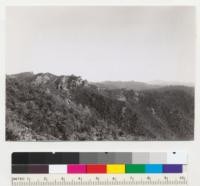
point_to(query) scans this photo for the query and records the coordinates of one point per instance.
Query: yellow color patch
(115, 168)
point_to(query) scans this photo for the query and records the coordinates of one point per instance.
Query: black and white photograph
(100, 73)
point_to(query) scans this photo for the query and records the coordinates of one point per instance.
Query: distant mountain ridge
(173, 83)
(135, 85)
(129, 85)
(41, 107)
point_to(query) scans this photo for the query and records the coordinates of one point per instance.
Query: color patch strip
(99, 158)
(105, 158)
(45, 158)
(30, 169)
(140, 158)
(116, 168)
(38, 169)
(153, 168)
(57, 169)
(76, 169)
(19, 169)
(98, 169)
(135, 168)
(176, 158)
(172, 168)
(158, 158)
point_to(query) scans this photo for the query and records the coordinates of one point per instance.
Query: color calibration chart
(99, 168)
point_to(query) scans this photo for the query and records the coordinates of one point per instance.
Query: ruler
(99, 180)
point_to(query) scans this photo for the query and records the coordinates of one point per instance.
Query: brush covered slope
(46, 107)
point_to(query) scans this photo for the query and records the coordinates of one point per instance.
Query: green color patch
(135, 168)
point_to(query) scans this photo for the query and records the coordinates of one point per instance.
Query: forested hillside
(47, 107)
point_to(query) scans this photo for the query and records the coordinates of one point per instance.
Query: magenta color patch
(74, 169)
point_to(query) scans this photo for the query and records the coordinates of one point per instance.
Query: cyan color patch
(153, 168)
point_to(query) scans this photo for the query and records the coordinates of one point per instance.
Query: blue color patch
(153, 168)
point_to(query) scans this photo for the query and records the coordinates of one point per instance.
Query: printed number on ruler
(99, 180)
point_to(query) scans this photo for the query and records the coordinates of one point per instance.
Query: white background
(6, 148)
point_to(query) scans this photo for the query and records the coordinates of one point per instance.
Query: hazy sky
(103, 43)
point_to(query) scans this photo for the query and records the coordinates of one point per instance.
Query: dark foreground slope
(48, 107)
